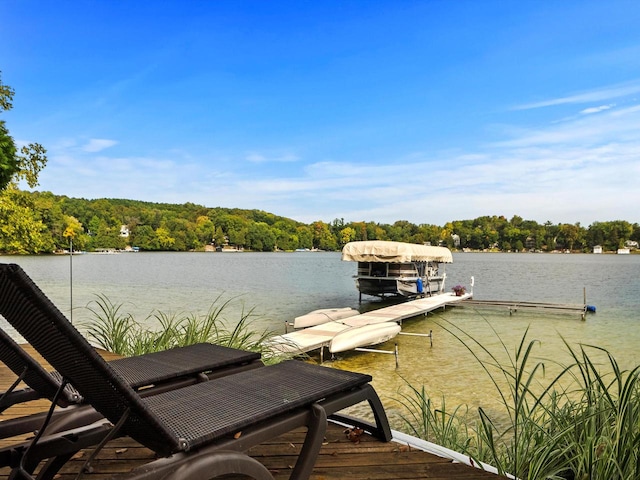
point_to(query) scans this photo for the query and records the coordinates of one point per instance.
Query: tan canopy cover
(394, 252)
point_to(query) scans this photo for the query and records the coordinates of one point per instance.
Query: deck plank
(339, 458)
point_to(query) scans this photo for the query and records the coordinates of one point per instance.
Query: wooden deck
(339, 458)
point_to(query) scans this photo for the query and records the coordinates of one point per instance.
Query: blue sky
(377, 111)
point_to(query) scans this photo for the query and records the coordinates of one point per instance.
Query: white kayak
(324, 315)
(363, 336)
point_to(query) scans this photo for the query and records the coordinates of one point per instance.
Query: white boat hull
(324, 315)
(363, 336)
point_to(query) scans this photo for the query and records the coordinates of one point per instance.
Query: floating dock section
(320, 336)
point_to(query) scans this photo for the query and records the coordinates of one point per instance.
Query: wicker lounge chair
(150, 374)
(200, 430)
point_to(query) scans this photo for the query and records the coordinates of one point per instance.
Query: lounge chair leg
(381, 428)
(382, 422)
(220, 463)
(50, 469)
(312, 444)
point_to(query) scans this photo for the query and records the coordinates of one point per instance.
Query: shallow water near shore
(281, 286)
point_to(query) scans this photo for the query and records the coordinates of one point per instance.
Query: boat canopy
(394, 252)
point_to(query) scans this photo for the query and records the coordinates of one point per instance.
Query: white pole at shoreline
(71, 279)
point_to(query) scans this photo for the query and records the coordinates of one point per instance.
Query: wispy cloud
(256, 157)
(98, 144)
(596, 95)
(611, 125)
(601, 108)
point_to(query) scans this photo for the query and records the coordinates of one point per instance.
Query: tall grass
(112, 329)
(604, 423)
(431, 422)
(581, 423)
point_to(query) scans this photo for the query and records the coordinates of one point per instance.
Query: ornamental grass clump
(582, 423)
(118, 332)
(603, 422)
(423, 419)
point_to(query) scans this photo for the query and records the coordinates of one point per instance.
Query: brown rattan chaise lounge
(200, 430)
(149, 374)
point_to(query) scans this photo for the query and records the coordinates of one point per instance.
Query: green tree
(48, 209)
(145, 238)
(218, 238)
(619, 232)
(570, 236)
(635, 235)
(305, 236)
(15, 166)
(8, 159)
(261, 237)
(21, 231)
(376, 231)
(322, 236)
(205, 230)
(164, 238)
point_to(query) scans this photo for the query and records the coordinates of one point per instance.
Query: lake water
(281, 286)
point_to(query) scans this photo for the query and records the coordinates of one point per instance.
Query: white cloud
(601, 108)
(256, 157)
(98, 144)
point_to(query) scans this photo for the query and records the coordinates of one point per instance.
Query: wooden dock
(339, 458)
(320, 336)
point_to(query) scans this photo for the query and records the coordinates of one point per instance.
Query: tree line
(49, 222)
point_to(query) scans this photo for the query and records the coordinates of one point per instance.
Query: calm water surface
(281, 286)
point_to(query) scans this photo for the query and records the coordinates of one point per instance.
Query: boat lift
(395, 352)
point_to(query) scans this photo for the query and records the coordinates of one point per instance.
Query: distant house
(456, 240)
(597, 249)
(124, 231)
(530, 243)
(631, 244)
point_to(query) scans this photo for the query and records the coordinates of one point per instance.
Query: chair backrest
(40, 322)
(34, 375)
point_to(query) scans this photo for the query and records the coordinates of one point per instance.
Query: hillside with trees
(117, 223)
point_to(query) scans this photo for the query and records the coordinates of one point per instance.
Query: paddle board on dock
(323, 315)
(363, 336)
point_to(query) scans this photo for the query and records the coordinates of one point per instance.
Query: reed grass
(430, 422)
(116, 331)
(581, 423)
